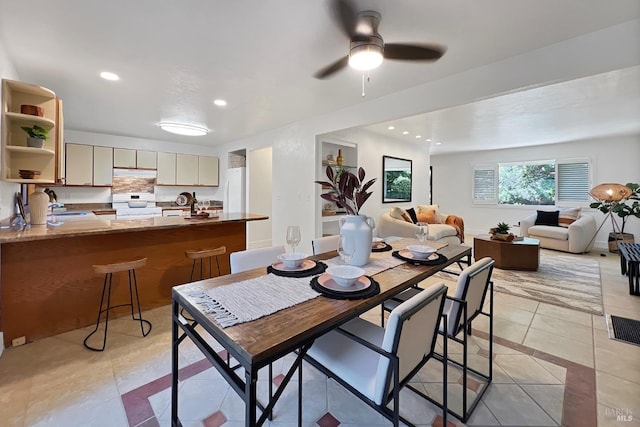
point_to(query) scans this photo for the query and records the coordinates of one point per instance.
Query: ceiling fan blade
(346, 16)
(332, 68)
(413, 52)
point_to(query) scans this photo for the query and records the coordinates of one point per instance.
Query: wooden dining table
(256, 344)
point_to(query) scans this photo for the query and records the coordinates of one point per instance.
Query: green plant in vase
(36, 135)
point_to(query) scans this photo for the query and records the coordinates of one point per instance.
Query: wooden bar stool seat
(108, 270)
(201, 255)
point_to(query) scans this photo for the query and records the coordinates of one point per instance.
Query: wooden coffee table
(521, 255)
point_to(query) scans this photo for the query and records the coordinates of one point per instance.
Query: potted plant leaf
(37, 135)
(501, 232)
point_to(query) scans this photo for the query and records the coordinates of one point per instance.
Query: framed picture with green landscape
(396, 179)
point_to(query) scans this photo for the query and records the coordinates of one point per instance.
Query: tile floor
(552, 366)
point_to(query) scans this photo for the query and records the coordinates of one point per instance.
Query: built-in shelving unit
(328, 222)
(16, 155)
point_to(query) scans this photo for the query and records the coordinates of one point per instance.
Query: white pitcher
(360, 228)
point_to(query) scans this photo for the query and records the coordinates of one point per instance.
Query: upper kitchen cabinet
(102, 169)
(208, 171)
(28, 105)
(146, 159)
(124, 158)
(166, 169)
(186, 169)
(79, 164)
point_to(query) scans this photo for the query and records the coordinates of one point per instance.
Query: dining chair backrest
(254, 258)
(411, 335)
(472, 287)
(325, 244)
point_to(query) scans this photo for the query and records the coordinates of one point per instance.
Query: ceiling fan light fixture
(365, 56)
(183, 129)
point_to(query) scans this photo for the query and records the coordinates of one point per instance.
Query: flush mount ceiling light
(109, 76)
(183, 129)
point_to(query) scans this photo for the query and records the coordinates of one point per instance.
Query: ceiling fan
(367, 48)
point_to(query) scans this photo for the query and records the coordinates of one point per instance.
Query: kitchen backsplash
(128, 184)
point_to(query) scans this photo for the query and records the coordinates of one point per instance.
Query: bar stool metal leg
(106, 289)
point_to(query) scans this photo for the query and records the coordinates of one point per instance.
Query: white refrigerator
(235, 190)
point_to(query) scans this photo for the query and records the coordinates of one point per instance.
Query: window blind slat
(573, 181)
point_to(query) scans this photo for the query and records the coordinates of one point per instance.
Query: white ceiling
(175, 57)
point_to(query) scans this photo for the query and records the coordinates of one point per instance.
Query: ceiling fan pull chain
(363, 84)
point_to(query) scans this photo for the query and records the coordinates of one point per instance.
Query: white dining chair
(325, 244)
(374, 363)
(254, 258)
(467, 302)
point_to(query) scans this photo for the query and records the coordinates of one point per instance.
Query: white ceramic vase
(360, 228)
(38, 206)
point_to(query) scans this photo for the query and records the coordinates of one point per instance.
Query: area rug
(569, 281)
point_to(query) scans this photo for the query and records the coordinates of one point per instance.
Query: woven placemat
(372, 290)
(319, 268)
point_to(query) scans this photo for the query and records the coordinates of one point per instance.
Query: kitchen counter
(71, 226)
(47, 282)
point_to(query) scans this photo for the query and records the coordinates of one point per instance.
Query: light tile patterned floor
(543, 354)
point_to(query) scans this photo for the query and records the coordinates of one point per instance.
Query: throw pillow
(399, 213)
(547, 218)
(412, 214)
(568, 216)
(429, 217)
(426, 208)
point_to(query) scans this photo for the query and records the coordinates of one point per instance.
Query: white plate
(307, 264)
(407, 254)
(327, 282)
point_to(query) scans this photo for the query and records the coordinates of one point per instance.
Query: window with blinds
(565, 181)
(572, 181)
(485, 185)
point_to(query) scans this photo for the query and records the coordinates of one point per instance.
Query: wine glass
(293, 236)
(200, 205)
(346, 248)
(423, 232)
(207, 204)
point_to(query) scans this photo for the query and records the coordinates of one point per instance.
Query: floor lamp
(609, 195)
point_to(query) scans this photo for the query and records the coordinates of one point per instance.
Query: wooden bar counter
(47, 281)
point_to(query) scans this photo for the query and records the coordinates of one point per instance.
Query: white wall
(294, 159)
(613, 159)
(7, 190)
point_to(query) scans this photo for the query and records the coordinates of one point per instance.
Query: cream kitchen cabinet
(102, 166)
(146, 159)
(79, 161)
(89, 165)
(16, 155)
(166, 169)
(124, 158)
(186, 169)
(208, 171)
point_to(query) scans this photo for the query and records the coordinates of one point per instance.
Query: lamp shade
(610, 192)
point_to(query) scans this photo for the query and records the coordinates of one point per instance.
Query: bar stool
(108, 270)
(196, 255)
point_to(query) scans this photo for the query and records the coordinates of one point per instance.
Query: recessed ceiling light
(428, 139)
(109, 76)
(391, 127)
(418, 137)
(438, 143)
(405, 132)
(183, 129)
(220, 102)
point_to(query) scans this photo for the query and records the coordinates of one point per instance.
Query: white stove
(120, 203)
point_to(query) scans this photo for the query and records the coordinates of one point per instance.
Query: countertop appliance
(120, 203)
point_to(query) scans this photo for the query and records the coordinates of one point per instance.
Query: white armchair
(576, 238)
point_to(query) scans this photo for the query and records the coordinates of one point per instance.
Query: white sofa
(576, 238)
(389, 226)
